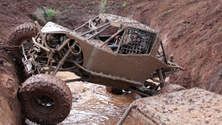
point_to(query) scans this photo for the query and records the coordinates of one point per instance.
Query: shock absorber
(28, 66)
(27, 62)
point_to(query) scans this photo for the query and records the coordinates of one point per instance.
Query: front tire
(21, 34)
(45, 99)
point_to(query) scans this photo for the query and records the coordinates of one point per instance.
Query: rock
(169, 88)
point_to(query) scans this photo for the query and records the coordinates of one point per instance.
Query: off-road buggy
(110, 50)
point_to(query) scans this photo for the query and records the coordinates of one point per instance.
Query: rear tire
(45, 99)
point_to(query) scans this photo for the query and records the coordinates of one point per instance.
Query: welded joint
(43, 36)
(41, 46)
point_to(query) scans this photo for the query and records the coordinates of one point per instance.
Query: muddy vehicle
(110, 50)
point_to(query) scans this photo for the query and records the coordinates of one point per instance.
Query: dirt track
(191, 30)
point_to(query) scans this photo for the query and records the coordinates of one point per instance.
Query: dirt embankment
(191, 29)
(9, 105)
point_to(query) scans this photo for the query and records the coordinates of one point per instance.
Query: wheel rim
(28, 43)
(43, 104)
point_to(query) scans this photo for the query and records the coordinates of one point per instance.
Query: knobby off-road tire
(20, 34)
(45, 99)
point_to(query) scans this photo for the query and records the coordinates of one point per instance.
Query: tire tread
(55, 86)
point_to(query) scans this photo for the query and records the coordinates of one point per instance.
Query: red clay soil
(191, 30)
(10, 112)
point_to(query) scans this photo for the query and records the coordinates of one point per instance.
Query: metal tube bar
(41, 46)
(81, 26)
(140, 93)
(43, 36)
(63, 44)
(120, 42)
(98, 32)
(106, 24)
(96, 29)
(95, 18)
(23, 51)
(164, 54)
(123, 118)
(160, 75)
(85, 24)
(87, 32)
(73, 80)
(162, 81)
(111, 37)
(62, 61)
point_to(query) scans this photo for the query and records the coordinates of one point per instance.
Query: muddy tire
(45, 99)
(21, 33)
(114, 90)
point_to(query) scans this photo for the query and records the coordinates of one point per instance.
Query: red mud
(9, 105)
(190, 29)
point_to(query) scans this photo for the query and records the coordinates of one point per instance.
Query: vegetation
(37, 17)
(124, 4)
(104, 2)
(102, 5)
(49, 14)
